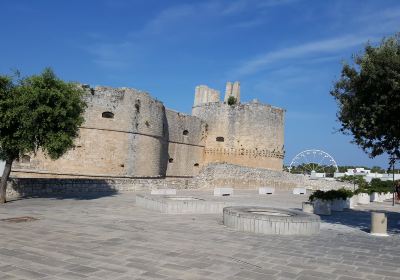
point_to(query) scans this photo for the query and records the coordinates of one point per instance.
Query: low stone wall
(31, 187)
(250, 178)
(180, 204)
(213, 175)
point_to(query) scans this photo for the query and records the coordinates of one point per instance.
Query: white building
(367, 174)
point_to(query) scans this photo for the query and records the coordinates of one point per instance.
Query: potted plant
(346, 198)
(339, 199)
(335, 200)
(322, 206)
(363, 196)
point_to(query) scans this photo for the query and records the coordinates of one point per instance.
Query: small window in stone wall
(171, 160)
(185, 132)
(196, 165)
(220, 139)
(25, 159)
(107, 115)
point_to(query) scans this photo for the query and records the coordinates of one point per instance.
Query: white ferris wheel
(313, 160)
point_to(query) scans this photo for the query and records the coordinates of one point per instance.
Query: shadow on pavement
(361, 219)
(80, 189)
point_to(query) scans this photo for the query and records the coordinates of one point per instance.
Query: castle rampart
(123, 135)
(186, 144)
(250, 134)
(129, 134)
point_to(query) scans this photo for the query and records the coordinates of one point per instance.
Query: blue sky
(286, 53)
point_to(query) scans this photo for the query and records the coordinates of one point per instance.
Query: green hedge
(376, 185)
(331, 195)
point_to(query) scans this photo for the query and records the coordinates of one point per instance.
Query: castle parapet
(204, 94)
(232, 89)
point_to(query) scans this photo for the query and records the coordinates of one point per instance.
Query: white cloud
(249, 23)
(114, 56)
(314, 48)
(238, 6)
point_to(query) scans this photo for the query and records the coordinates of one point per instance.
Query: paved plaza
(109, 237)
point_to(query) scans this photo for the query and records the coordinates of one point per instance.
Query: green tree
(368, 97)
(37, 112)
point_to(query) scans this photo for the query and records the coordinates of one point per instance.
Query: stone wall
(40, 187)
(219, 175)
(232, 89)
(129, 140)
(203, 94)
(129, 134)
(250, 134)
(186, 136)
(211, 176)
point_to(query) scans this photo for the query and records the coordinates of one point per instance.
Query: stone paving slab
(111, 238)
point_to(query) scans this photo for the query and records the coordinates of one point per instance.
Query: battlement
(250, 134)
(204, 95)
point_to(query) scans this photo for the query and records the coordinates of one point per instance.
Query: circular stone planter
(273, 221)
(173, 204)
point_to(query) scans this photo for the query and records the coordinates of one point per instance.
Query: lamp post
(393, 160)
(394, 187)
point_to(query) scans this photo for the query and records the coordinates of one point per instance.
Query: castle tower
(232, 89)
(204, 94)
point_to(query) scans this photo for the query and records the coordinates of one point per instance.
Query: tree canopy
(37, 112)
(368, 98)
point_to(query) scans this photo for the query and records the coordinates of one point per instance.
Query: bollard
(379, 224)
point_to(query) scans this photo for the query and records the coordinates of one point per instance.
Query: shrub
(331, 195)
(231, 100)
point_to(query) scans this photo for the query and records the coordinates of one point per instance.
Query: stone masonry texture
(129, 134)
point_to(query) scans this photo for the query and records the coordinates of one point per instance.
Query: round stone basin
(272, 221)
(180, 204)
(271, 213)
(182, 198)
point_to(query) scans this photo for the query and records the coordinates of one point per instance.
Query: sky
(286, 53)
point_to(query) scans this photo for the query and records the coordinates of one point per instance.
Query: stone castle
(129, 134)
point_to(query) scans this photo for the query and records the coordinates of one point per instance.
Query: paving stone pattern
(109, 237)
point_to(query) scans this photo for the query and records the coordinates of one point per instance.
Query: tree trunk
(4, 179)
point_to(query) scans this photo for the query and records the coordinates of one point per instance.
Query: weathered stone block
(322, 207)
(223, 191)
(308, 207)
(266, 190)
(337, 204)
(299, 191)
(363, 198)
(376, 197)
(163, 191)
(351, 202)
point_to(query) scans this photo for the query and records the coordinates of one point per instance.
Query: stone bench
(299, 191)
(163, 191)
(223, 191)
(266, 190)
